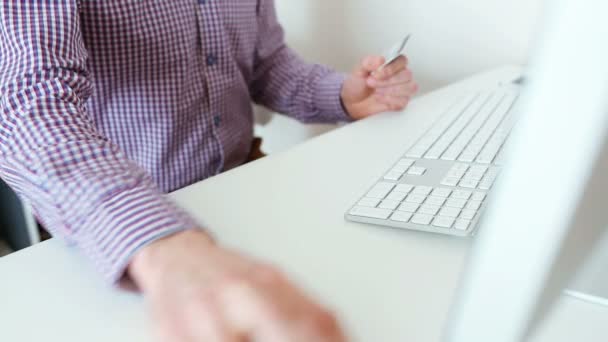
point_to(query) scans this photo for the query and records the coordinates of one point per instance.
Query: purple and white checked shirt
(108, 105)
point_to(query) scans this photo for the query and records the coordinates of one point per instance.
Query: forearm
(307, 92)
(103, 203)
(81, 186)
(287, 84)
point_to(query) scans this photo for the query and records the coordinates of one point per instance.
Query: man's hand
(201, 292)
(367, 92)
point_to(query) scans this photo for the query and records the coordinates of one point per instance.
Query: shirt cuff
(130, 221)
(328, 98)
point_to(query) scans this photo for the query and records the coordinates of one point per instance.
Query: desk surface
(386, 285)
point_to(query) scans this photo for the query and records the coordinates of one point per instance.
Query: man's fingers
(403, 77)
(271, 309)
(207, 323)
(166, 333)
(401, 90)
(392, 69)
(369, 65)
(393, 103)
(250, 310)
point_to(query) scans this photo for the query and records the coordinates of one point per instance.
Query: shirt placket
(211, 38)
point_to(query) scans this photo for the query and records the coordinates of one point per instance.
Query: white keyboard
(441, 183)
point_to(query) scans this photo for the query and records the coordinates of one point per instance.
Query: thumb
(369, 65)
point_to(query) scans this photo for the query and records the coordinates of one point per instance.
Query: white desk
(386, 285)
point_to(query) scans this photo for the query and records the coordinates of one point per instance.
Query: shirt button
(211, 59)
(217, 120)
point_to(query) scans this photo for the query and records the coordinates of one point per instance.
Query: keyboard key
(455, 174)
(462, 224)
(487, 182)
(415, 198)
(376, 213)
(389, 204)
(429, 209)
(484, 185)
(456, 203)
(474, 205)
(479, 196)
(380, 190)
(441, 192)
(493, 171)
(400, 168)
(451, 154)
(460, 167)
(401, 216)
(393, 176)
(479, 169)
(468, 214)
(409, 207)
(416, 152)
(433, 154)
(435, 200)
(500, 159)
(443, 222)
(422, 190)
(476, 176)
(416, 171)
(406, 162)
(396, 196)
(404, 188)
(369, 202)
(467, 157)
(486, 158)
(461, 194)
(449, 212)
(422, 219)
(468, 183)
(490, 177)
(450, 181)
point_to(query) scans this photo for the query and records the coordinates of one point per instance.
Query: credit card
(395, 52)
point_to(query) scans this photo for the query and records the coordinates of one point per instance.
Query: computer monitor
(549, 207)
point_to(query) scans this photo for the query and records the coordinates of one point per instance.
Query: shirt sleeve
(80, 185)
(283, 82)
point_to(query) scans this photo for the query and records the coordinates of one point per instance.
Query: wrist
(150, 263)
(345, 103)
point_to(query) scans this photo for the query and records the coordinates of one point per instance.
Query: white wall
(451, 39)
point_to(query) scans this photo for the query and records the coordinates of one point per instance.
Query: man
(107, 105)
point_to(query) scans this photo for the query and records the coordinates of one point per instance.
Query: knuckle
(202, 298)
(326, 323)
(203, 306)
(233, 285)
(270, 273)
(409, 74)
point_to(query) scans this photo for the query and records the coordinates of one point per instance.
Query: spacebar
(370, 212)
